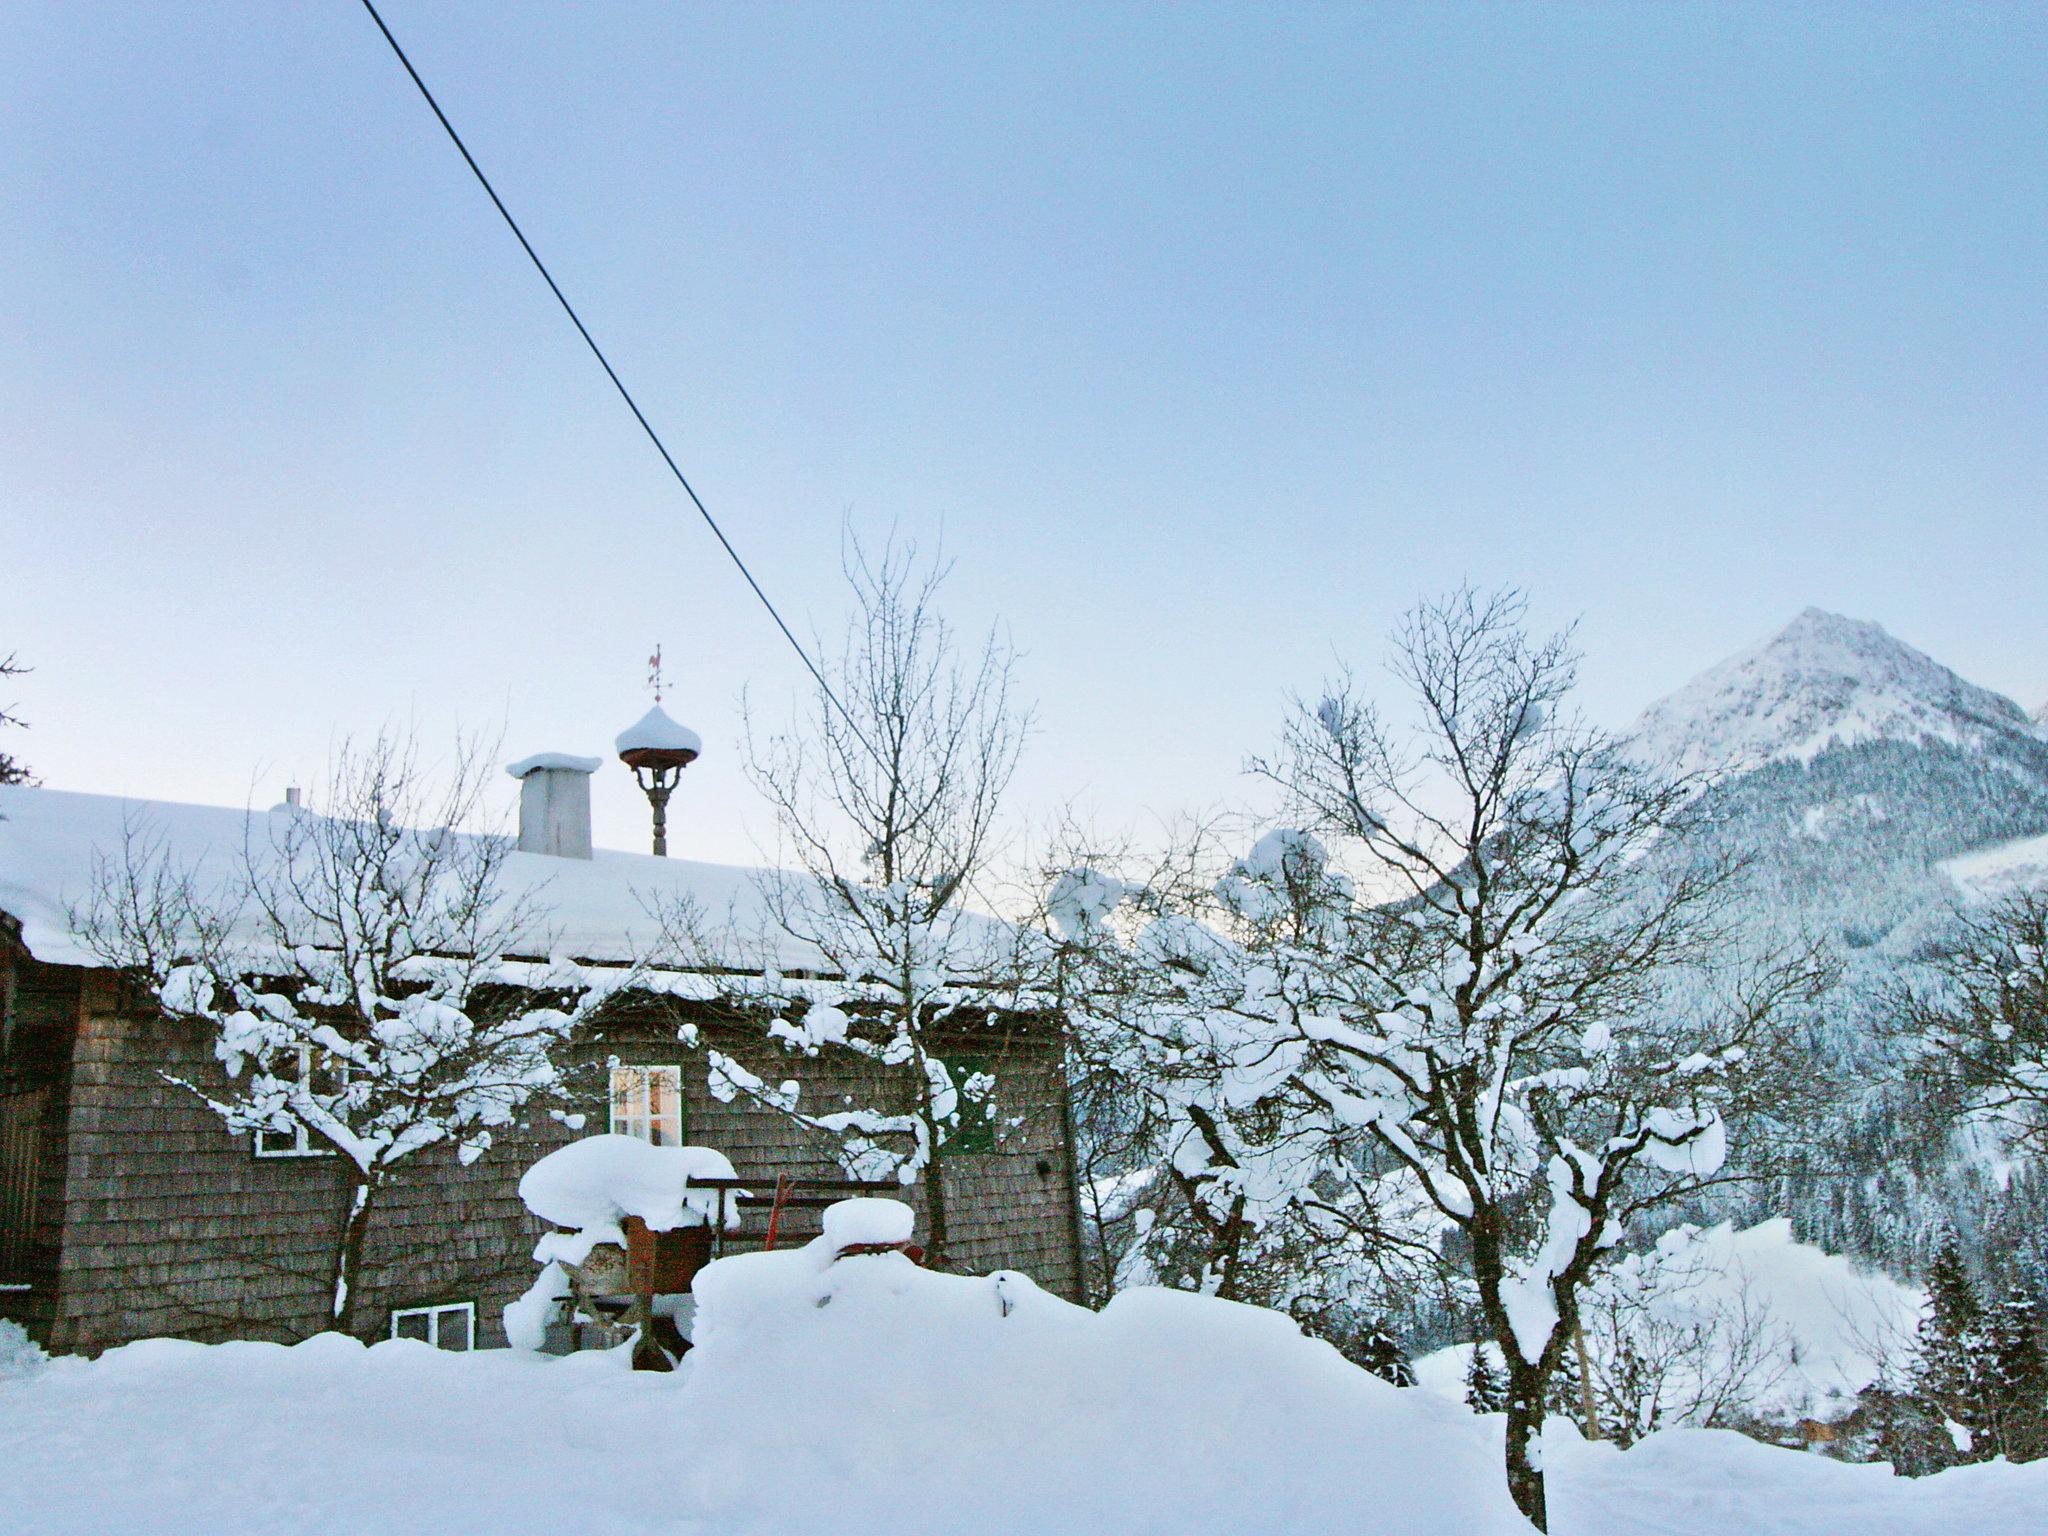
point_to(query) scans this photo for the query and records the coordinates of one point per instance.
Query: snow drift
(876, 1396)
(871, 1396)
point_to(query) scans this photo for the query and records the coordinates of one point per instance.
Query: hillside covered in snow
(1871, 791)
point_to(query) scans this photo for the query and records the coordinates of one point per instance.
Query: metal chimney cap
(556, 760)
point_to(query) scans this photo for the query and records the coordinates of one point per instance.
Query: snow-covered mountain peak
(1822, 681)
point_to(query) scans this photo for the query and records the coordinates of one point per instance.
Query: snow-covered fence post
(360, 974)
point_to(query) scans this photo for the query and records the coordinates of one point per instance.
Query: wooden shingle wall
(1009, 1208)
(171, 1226)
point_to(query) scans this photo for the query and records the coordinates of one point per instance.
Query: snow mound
(1820, 682)
(1198, 1419)
(874, 1396)
(849, 1223)
(1714, 1482)
(20, 1355)
(601, 1180)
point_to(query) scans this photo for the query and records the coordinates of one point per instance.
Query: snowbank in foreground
(871, 1395)
(1714, 1482)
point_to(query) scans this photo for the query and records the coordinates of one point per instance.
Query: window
(974, 1085)
(317, 1073)
(647, 1102)
(451, 1326)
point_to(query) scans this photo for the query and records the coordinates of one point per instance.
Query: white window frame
(296, 1141)
(640, 1118)
(433, 1314)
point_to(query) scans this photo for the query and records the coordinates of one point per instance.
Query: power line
(619, 384)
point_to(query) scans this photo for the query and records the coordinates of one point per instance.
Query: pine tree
(1374, 1348)
(1485, 1391)
(2016, 1377)
(1954, 1355)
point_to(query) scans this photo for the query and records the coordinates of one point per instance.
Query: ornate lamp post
(657, 749)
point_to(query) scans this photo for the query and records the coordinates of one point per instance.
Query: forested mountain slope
(1866, 783)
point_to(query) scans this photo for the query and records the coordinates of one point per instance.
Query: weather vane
(654, 674)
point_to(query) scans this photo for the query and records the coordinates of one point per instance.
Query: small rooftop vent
(554, 803)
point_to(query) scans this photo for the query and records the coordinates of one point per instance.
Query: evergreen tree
(2016, 1378)
(1485, 1390)
(1954, 1355)
(1379, 1352)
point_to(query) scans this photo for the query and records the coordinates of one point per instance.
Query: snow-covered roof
(594, 909)
(656, 731)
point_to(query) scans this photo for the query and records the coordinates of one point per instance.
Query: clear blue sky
(1210, 337)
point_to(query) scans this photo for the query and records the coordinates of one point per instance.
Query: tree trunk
(1525, 1437)
(935, 1207)
(1525, 1382)
(1591, 1419)
(348, 1253)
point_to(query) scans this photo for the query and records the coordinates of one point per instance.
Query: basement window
(647, 1103)
(449, 1326)
(318, 1073)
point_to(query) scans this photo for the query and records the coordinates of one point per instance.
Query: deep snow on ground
(868, 1396)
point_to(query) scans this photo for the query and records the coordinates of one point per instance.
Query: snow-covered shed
(128, 1209)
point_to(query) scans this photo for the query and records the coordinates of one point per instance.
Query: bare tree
(1479, 973)
(1977, 1016)
(371, 986)
(886, 791)
(1674, 1340)
(12, 770)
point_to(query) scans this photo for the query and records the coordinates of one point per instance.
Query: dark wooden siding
(39, 1007)
(171, 1226)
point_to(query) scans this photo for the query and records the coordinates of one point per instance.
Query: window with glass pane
(647, 1102)
(451, 1326)
(321, 1074)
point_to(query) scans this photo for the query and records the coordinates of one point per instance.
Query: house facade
(129, 1210)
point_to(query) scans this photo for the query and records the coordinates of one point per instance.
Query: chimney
(554, 803)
